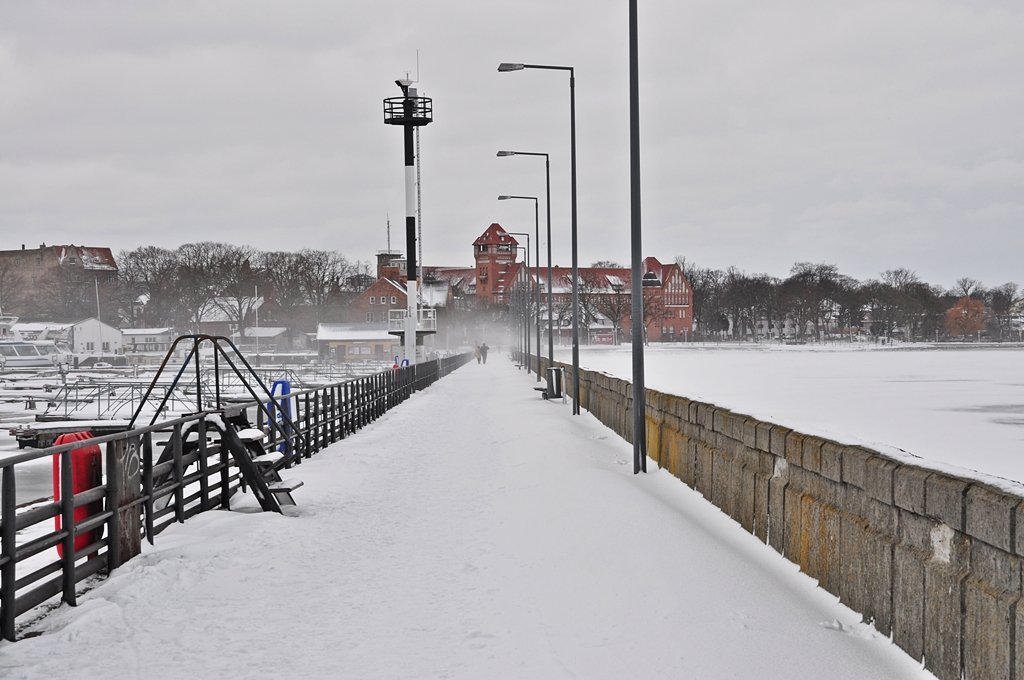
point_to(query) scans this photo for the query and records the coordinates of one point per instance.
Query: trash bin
(554, 383)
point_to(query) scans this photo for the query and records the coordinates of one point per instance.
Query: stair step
(285, 485)
(251, 435)
(268, 458)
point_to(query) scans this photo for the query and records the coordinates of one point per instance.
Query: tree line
(817, 301)
(158, 287)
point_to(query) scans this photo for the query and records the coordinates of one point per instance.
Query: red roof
(495, 235)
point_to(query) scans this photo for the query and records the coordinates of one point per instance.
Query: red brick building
(605, 292)
(373, 304)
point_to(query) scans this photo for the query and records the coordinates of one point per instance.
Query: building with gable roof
(605, 292)
(27, 272)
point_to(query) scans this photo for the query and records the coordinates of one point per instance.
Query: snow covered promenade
(475, 531)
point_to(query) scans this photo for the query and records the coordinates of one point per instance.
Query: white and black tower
(409, 111)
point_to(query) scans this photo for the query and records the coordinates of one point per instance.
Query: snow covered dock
(476, 531)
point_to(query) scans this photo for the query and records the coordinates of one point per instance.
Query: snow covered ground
(955, 407)
(476, 531)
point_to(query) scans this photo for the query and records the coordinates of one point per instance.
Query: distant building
(265, 339)
(92, 337)
(372, 306)
(27, 273)
(344, 343)
(605, 293)
(148, 346)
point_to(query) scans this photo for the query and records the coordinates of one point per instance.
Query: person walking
(483, 351)
(477, 353)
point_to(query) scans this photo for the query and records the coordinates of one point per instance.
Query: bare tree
(321, 273)
(654, 309)
(808, 293)
(706, 286)
(234, 277)
(196, 282)
(149, 279)
(1003, 300)
(968, 287)
(615, 305)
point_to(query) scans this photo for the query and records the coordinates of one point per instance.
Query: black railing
(162, 473)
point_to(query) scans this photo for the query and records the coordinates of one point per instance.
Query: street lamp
(503, 68)
(529, 283)
(547, 177)
(525, 299)
(639, 393)
(536, 229)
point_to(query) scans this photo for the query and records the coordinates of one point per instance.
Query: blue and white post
(409, 111)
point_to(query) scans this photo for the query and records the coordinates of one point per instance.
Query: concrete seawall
(932, 559)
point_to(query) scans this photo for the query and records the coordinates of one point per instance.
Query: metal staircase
(260, 470)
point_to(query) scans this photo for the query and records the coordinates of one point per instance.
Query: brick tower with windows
(495, 254)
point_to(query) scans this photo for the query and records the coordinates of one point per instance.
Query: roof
(341, 332)
(495, 234)
(146, 331)
(264, 331)
(93, 259)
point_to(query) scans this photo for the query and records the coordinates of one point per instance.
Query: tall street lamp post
(547, 203)
(536, 230)
(525, 300)
(503, 68)
(639, 395)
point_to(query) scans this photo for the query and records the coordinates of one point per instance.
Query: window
(106, 347)
(482, 249)
(372, 299)
(90, 346)
(369, 316)
(394, 300)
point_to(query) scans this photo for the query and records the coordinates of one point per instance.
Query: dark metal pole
(575, 252)
(536, 288)
(526, 300)
(639, 401)
(551, 327)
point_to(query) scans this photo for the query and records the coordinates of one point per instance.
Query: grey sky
(871, 135)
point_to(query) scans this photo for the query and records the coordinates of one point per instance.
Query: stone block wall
(932, 559)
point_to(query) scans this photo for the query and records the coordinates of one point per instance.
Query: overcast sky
(868, 134)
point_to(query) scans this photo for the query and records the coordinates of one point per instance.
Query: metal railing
(162, 473)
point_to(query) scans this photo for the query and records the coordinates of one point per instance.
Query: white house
(92, 337)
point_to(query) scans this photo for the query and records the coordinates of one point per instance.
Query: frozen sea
(952, 406)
